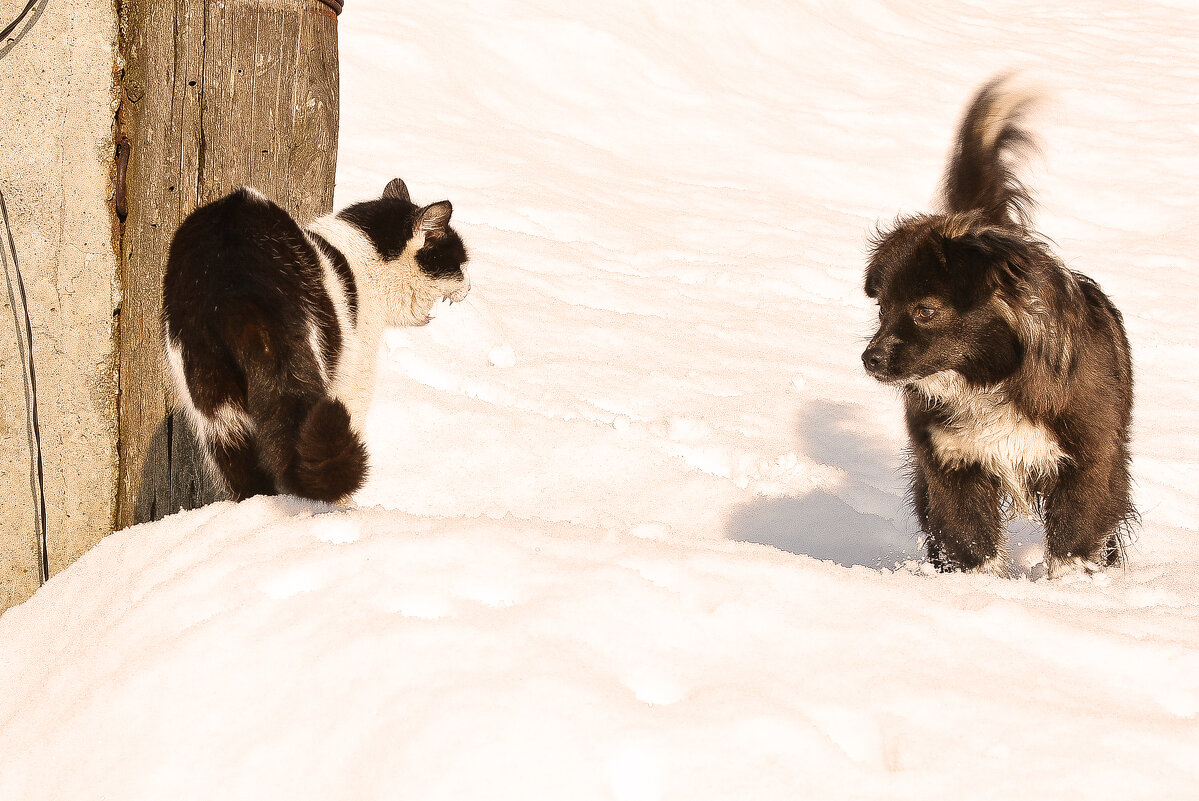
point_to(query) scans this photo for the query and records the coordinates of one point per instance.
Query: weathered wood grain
(216, 94)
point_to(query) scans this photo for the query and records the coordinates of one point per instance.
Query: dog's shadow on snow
(864, 521)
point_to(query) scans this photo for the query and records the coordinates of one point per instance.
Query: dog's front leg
(1083, 515)
(959, 512)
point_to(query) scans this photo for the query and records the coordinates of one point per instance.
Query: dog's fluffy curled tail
(991, 144)
(330, 459)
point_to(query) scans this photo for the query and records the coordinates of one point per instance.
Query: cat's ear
(432, 220)
(397, 189)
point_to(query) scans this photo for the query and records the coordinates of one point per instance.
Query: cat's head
(421, 250)
(439, 251)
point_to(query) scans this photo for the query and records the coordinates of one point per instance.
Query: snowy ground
(636, 526)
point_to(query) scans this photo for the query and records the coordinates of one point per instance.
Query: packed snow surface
(636, 525)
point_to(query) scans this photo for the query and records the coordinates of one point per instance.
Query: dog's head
(964, 290)
(941, 284)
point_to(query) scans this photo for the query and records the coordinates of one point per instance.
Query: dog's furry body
(272, 329)
(1016, 372)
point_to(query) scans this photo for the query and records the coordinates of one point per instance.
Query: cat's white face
(424, 295)
(438, 251)
(403, 289)
(417, 290)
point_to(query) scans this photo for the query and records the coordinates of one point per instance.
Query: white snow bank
(276, 649)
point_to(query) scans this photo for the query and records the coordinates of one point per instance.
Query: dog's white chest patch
(988, 431)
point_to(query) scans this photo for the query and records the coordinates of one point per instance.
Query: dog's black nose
(874, 357)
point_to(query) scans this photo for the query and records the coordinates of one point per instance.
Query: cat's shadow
(864, 521)
(173, 477)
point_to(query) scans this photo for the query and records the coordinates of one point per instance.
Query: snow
(636, 524)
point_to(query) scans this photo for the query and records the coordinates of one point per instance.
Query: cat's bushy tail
(330, 457)
(308, 445)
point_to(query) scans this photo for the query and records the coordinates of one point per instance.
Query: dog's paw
(1071, 566)
(939, 559)
(995, 566)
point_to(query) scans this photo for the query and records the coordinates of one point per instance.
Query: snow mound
(280, 649)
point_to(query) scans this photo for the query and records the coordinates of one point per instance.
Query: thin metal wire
(37, 471)
(37, 478)
(29, 7)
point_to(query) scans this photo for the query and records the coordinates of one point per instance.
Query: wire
(37, 473)
(12, 25)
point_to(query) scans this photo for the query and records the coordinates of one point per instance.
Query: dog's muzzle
(874, 358)
(877, 361)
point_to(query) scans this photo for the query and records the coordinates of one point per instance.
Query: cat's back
(242, 250)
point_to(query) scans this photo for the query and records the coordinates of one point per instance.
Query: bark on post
(216, 94)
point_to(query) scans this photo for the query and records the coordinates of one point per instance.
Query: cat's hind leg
(304, 438)
(236, 461)
(208, 395)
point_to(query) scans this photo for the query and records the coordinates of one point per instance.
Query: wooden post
(215, 94)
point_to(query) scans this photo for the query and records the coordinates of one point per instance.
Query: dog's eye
(925, 313)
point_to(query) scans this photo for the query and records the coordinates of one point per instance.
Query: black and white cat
(272, 329)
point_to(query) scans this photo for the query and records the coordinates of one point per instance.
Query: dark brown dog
(1015, 371)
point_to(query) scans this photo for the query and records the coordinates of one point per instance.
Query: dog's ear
(974, 266)
(982, 261)
(877, 267)
(874, 278)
